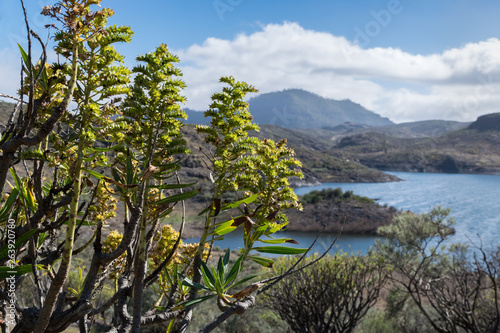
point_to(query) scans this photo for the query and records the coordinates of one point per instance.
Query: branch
(241, 306)
(160, 317)
(292, 269)
(237, 308)
(12, 97)
(153, 276)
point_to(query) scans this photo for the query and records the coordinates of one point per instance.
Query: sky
(408, 60)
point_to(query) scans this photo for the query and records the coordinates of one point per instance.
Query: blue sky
(404, 59)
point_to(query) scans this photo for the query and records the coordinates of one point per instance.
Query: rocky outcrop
(488, 122)
(346, 217)
(346, 213)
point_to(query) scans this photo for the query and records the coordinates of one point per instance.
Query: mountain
(472, 149)
(196, 117)
(296, 108)
(417, 129)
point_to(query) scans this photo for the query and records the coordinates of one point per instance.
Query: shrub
(331, 296)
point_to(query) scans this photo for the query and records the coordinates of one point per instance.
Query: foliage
(116, 156)
(331, 296)
(453, 286)
(335, 195)
(375, 321)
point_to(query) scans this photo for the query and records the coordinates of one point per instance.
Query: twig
(12, 97)
(292, 269)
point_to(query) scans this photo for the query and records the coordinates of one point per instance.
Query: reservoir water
(474, 201)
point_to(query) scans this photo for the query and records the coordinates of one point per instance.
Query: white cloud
(459, 84)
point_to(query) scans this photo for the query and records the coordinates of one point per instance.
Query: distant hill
(472, 149)
(296, 108)
(5, 111)
(418, 129)
(196, 117)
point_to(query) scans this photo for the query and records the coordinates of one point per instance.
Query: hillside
(318, 160)
(296, 108)
(474, 149)
(418, 129)
(318, 165)
(5, 111)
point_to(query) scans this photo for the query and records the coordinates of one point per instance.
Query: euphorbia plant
(116, 156)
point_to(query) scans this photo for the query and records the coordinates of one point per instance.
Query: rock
(488, 122)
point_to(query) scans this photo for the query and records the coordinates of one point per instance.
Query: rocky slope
(318, 165)
(473, 149)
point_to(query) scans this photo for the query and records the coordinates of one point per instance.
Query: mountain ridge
(301, 109)
(474, 149)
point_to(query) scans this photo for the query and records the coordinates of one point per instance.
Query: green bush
(332, 295)
(335, 195)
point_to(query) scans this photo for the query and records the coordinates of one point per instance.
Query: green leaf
(245, 279)
(194, 301)
(25, 56)
(44, 77)
(95, 174)
(7, 206)
(41, 238)
(266, 262)
(279, 241)
(161, 308)
(222, 266)
(218, 282)
(4, 250)
(233, 273)
(172, 186)
(188, 282)
(170, 326)
(279, 250)
(7, 272)
(248, 200)
(109, 180)
(26, 193)
(116, 175)
(224, 228)
(207, 276)
(226, 257)
(73, 290)
(177, 197)
(259, 232)
(205, 210)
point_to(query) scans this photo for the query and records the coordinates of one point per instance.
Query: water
(473, 200)
(346, 243)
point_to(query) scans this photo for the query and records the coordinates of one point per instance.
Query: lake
(473, 200)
